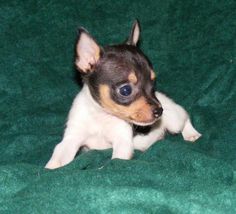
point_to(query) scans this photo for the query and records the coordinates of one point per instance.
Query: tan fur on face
(132, 77)
(153, 75)
(139, 110)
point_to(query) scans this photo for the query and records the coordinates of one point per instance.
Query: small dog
(117, 98)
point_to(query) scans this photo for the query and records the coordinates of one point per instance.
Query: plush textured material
(192, 45)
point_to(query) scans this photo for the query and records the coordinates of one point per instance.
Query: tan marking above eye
(153, 75)
(132, 77)
(139, 110)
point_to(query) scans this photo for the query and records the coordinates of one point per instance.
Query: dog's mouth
(148, 123)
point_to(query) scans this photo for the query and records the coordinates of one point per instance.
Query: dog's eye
(125, 90)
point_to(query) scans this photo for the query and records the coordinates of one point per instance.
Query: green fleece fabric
(192, 45)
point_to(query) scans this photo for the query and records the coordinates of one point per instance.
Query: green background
(192, 47)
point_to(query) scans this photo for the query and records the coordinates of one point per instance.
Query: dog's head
(120, 77)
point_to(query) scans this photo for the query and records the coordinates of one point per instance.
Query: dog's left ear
(134, 34)
(87, 52)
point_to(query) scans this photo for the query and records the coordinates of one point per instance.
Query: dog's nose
(157, 112)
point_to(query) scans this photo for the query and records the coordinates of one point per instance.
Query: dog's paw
(52, 164)
(193, 137)
(190, 133)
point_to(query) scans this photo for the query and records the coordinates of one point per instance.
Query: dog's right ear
(87, 52)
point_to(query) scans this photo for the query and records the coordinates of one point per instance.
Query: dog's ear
(134, 34)
(87, 52)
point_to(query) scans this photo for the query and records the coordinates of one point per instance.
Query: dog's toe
(53, 164)
(193, 137)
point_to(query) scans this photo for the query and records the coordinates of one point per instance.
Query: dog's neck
(92, 104)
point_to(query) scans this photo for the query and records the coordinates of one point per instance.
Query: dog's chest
(99, 128)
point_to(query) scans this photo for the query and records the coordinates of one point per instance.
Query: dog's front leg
(175, 119)
(143, 142)
(64, 152)
(121, 137)
(74, 136)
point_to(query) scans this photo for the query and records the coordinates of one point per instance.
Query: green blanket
(192, 45)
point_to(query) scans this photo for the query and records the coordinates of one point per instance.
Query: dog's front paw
(190, 133)
(63, 154)
(53, 164)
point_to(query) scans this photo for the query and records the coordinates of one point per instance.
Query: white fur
(89, 125)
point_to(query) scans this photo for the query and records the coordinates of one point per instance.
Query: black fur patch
(143, 130)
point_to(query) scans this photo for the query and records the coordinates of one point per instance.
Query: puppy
(117, 98)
